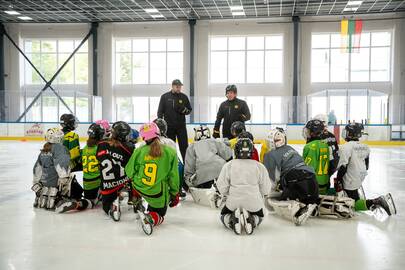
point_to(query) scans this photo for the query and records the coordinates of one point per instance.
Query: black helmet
(162, 125)
(353, 131)
(232, 88)
(313, 128)
(120, 131)
(68, 122)
(246, 134)
(96, 132)
(244, 149)
(237, 128)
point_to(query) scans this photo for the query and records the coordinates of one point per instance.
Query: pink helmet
(149, 131)
(105, 124)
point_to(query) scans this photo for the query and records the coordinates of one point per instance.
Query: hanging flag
(350, 32)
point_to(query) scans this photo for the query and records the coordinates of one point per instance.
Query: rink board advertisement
(34, 130)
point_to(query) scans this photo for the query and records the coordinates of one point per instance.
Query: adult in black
(231, 110)
(173, 107)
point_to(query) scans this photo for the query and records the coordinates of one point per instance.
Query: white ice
(192, 236)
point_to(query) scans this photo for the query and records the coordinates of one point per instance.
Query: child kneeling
(155, 177)
(244, 182)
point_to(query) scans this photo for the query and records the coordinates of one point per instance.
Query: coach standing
(231, 110)
(173, 107)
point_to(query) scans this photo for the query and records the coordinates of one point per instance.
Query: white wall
(203, 29)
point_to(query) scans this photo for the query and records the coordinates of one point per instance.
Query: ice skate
(237, 221)
(250, 221)
(303, 214)
(65, 206)
(385, 202)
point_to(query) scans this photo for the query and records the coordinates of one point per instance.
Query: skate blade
(147, 228)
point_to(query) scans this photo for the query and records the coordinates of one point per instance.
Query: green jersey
(71, 141)
(316, 155)
(155, 179)
(91, 172)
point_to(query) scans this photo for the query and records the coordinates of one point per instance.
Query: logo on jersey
(180, 101)
(236, 106)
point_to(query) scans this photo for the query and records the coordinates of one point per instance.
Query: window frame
(59, 63)
(370, 46)
(246, 50)
(132, 52)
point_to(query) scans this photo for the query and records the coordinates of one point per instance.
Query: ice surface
(192, 236)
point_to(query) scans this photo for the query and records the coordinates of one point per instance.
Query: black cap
(177, 82)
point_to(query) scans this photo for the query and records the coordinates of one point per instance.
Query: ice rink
(192, 236)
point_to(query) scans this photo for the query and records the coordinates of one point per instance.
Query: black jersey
(112, 161)
(333, 144)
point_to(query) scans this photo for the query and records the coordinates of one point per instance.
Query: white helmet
(54, 135)
(277, 138)
(322, 117)
(202, 132)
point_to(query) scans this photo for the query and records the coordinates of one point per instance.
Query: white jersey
(353, 155)
(244, 182)
(204, 161)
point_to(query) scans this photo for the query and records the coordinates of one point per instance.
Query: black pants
(180, 133)
(206, 185)
(160, 211)
(301, 185)
(226, 211)
(353, 194)
(108, 200)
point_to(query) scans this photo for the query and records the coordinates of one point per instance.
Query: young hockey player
(162, 125)
(244, 182)
(316, 153)
(50, 169)
(91, 173)
(247, 134)
(71, 140)
(294, 189)
(352, 170)
(113, 155)
(154, 172)
(333, 144)
(204, 161)
(236, 128)
(106, 126)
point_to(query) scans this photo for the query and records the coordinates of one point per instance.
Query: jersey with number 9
(156, 179)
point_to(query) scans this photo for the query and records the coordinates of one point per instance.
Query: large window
(251, 59)
(370, 63)
(148, 61)
(350, 104)
(48, 55)
(137, 109)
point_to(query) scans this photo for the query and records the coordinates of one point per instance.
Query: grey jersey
(283, 159)
(50, 166)
(205, 159)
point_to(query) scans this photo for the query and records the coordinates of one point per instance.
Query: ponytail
(46, 148)
(155, 148)
(91, 142)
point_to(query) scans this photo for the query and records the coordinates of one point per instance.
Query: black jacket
(173, 108)
(231, 111)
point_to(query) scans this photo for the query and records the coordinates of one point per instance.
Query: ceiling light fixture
(12, 12)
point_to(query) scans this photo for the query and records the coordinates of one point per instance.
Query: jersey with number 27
(112, 160)
(316, 155)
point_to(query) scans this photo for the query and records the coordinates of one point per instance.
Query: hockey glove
(174, 200)
(37, 188)
(216, 134)
(338, 184)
